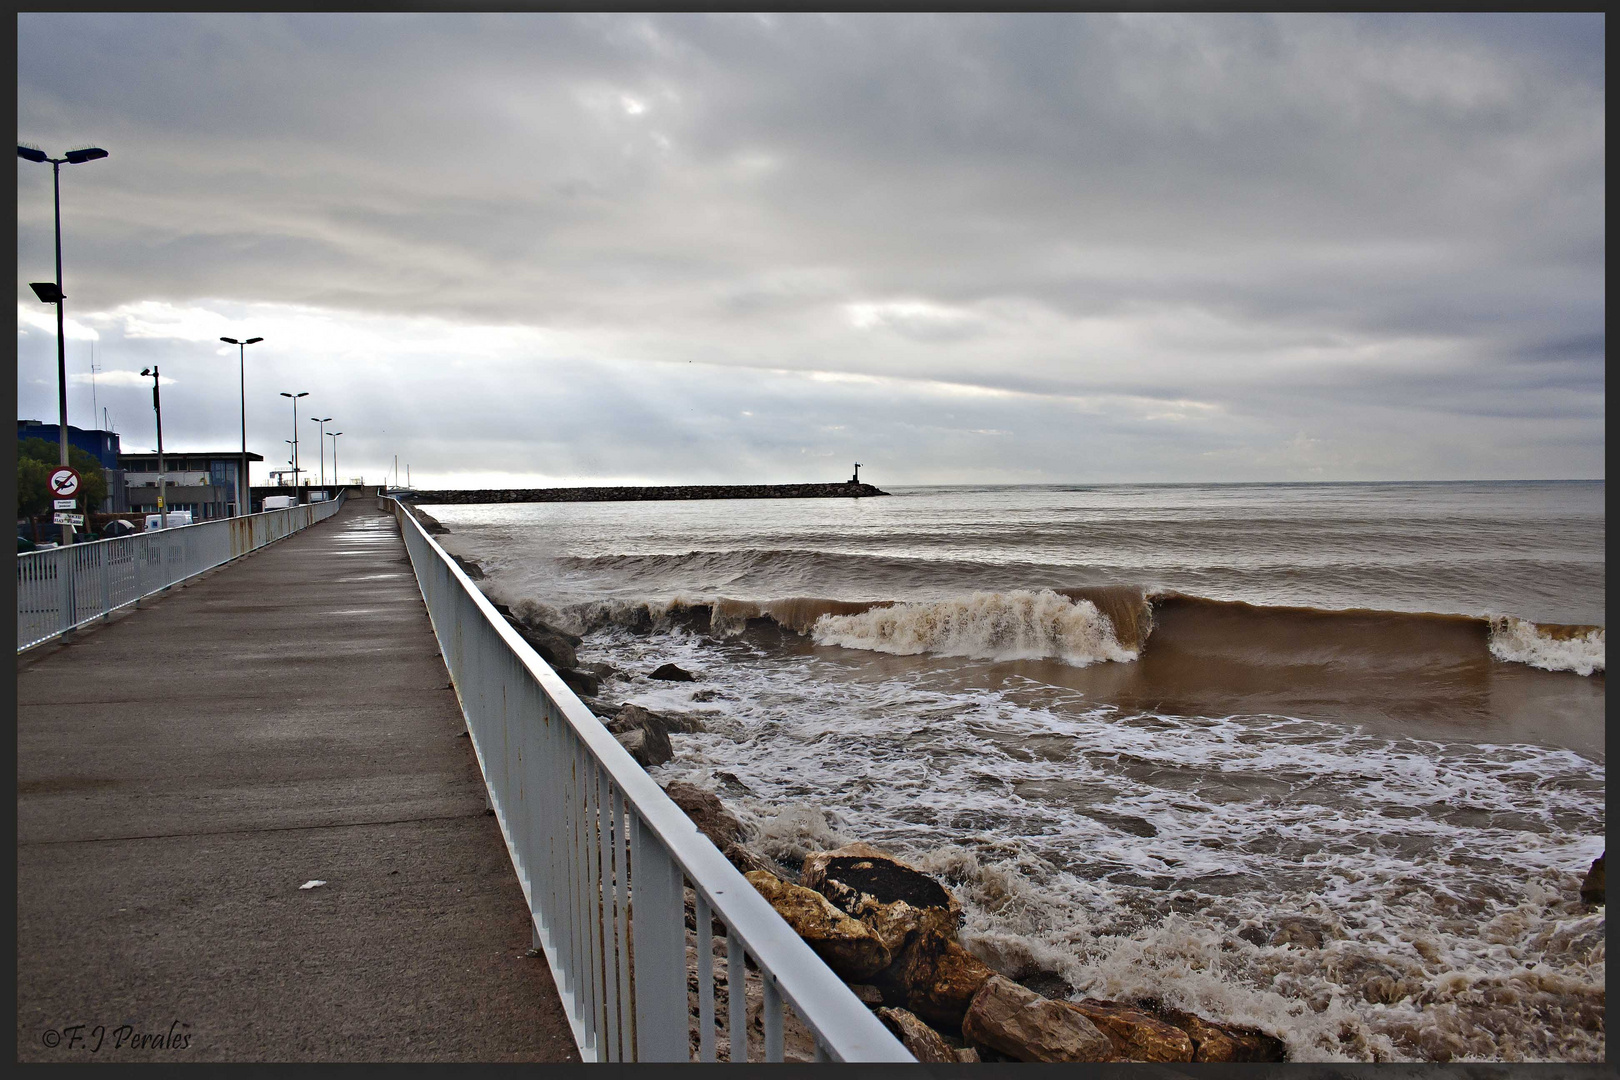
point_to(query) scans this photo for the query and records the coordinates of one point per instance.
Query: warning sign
(64, 482)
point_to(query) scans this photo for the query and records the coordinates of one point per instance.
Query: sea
(1322, 759)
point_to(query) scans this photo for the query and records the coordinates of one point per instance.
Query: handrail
(62, 589)
(604, 857)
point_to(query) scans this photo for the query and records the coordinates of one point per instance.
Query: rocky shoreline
(846, 490)
(889, 930)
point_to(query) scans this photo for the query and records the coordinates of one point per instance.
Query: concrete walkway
(184, 768)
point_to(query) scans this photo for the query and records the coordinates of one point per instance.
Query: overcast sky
(561, 249)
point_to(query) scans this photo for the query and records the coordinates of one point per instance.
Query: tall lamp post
(333, 436)
(157, 407)
(244, 493)
(51, 292)
(295, 397)
(321, 420)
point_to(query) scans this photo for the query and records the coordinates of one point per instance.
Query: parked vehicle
(279, 502)
(177, 518)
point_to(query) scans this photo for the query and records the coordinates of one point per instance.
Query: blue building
(101, 445)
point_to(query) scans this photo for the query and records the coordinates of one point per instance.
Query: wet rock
(870, 995)
(470, 568)
(1136, 1035)
(602, 671)
(631, 716)
(967, 1056)
(924, 1043)
(603, 710)
(1125, 823)
(648, 747)
(1024, 1026)
(671, 673)
(1218, 1042)
(1255, 935)
(1299, 931)
(847, 946)
(553, 648)
(430, 524)
(707, 812)
(1592, 887)
(713, 820)
(935, 978)
(895, 899)
(580, 682)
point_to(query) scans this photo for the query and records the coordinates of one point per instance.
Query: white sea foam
(1521, 641)
(1139, 857)
(1017, 625)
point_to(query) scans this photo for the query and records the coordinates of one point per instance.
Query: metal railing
(605, 860)
(61, 589)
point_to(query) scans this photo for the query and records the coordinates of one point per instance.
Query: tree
(47, 455)
(32, 495)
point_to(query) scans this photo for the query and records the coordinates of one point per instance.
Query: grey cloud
(721, 187)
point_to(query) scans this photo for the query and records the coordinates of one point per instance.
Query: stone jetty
(845, 490)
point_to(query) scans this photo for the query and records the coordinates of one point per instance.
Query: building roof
(221, 455)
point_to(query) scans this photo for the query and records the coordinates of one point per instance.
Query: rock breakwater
(681, 492)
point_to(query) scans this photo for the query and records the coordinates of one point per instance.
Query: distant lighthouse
(857, 478)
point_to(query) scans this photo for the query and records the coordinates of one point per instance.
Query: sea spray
(1017, 625)
(1580, 649)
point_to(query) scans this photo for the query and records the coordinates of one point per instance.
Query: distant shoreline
(683, 492)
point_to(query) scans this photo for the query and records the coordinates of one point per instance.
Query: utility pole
(157, 406)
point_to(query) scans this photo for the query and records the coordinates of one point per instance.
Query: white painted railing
(605, 860)
(59, 589)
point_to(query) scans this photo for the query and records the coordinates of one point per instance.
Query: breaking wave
(1580, 649)
(1018, 625)
(1121, 624)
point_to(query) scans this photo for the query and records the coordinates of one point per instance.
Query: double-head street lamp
(333, 436)
(244, 492)
(321, 420)
(157, 407)
(50, 292)
(294, 440)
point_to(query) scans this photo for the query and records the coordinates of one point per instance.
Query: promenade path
(184, 768)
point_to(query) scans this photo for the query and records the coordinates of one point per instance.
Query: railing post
(660, 940)
(106, 580)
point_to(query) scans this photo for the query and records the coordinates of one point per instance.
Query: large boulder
(713, 820)
(846, 945)
(555, 645)
(916, 919)
(935, 978)
(582, 683)
(1025, 1026)
(629, 717)
(671, 673)
(1136, 1035)
(924, 1043)
(1219, 1042)
(898, 901)
(648, 746)
(1592, 886)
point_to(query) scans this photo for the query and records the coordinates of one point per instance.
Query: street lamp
(321, 420)
(333, 436)
(244, 493)
(157, 407)
(51, 292)
(288, 471)
(295, 397)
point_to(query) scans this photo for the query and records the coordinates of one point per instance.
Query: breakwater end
(845, 490)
